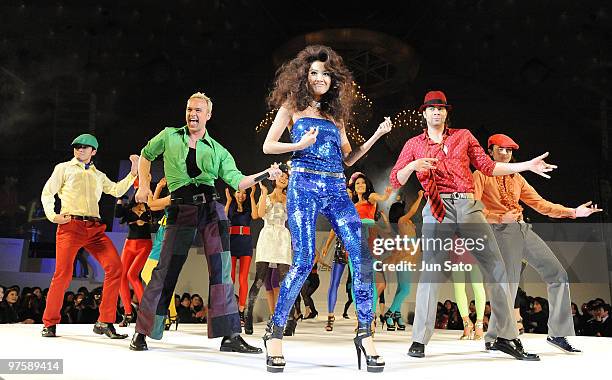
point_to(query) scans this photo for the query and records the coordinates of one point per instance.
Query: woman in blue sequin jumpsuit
(314, 94)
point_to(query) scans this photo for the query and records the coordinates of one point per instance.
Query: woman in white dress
(274, 243)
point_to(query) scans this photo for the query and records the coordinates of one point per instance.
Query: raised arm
(413, 209)
(144, 185)
(261, 206)
(254, 210)
(156, 203)
(375, 197)
(351, 156)
(228, 200)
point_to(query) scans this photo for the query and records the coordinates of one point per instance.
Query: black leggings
(261, 270)
(310, 286)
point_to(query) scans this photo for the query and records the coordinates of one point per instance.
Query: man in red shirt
(517, 241)
(441, 158)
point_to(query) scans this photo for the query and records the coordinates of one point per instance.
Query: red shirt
(459, 149)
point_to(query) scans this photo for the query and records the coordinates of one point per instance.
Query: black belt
(196, 199)
(86, 218)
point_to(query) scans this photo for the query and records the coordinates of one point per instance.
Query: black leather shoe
(417, 350)
(48, 332)
(562, 344)
(107, 329)
(237, 344)
(514, 348)
(139, 342)
(489, 346)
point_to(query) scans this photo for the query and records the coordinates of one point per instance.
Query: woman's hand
(309, 138)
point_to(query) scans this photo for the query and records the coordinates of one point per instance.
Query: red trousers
(133, 258)
(243, 277)
(70, 238)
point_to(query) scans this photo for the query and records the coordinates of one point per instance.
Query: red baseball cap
(435, 99)
(502, 141)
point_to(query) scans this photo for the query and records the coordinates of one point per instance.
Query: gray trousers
(517, 241)
(465, 219)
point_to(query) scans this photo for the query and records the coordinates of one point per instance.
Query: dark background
(538, 71)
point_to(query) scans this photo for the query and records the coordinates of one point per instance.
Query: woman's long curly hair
(291, 88)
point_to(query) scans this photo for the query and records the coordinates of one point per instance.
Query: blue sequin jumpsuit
(312, 190)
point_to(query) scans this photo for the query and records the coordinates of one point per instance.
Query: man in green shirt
(192, 162)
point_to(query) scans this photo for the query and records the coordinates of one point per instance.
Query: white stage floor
(312, 353)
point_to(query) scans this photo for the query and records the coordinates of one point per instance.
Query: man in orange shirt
(517, 241)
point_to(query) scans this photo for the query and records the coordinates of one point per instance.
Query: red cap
(435, 98)
(502, 141)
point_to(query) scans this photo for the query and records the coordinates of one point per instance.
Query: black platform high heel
(374, 363)
(273, 363)
(397, 318)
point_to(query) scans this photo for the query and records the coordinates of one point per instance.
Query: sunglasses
(81, 146)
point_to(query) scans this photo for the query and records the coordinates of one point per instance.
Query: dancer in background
(366, 201)
(517, 240)
(339, 263)
(240, 216)
(314, 94)
(274, 242)
(157, 203)
(402, 226)
(79, 185)
(135, 252)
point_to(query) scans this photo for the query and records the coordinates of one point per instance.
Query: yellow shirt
(80, 189)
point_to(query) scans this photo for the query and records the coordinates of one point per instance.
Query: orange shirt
(489, 191)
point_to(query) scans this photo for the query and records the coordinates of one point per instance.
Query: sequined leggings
(307, 195)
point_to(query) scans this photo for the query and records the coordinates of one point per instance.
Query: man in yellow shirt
(79, 185)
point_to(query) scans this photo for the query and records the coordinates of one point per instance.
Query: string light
(406, 124)
(408, 120)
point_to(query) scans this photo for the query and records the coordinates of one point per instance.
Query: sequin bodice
(325, 154)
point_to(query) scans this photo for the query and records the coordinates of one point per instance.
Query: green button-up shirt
(212, 159)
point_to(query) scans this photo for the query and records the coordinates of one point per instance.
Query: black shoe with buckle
(417, 350)
(561, 343)
(48, 332)
(107, 329)
(237, 344)
(514, 348)
(139, 342)
(489, 346)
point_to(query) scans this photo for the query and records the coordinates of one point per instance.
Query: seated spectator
(472, 313)
(2, 290)
(29, 309)
(67, 306)
(198, 310)
(184, 309)
(487, 316)
(577, 318)
(8, 307)
(537, 319)
(599, 324)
